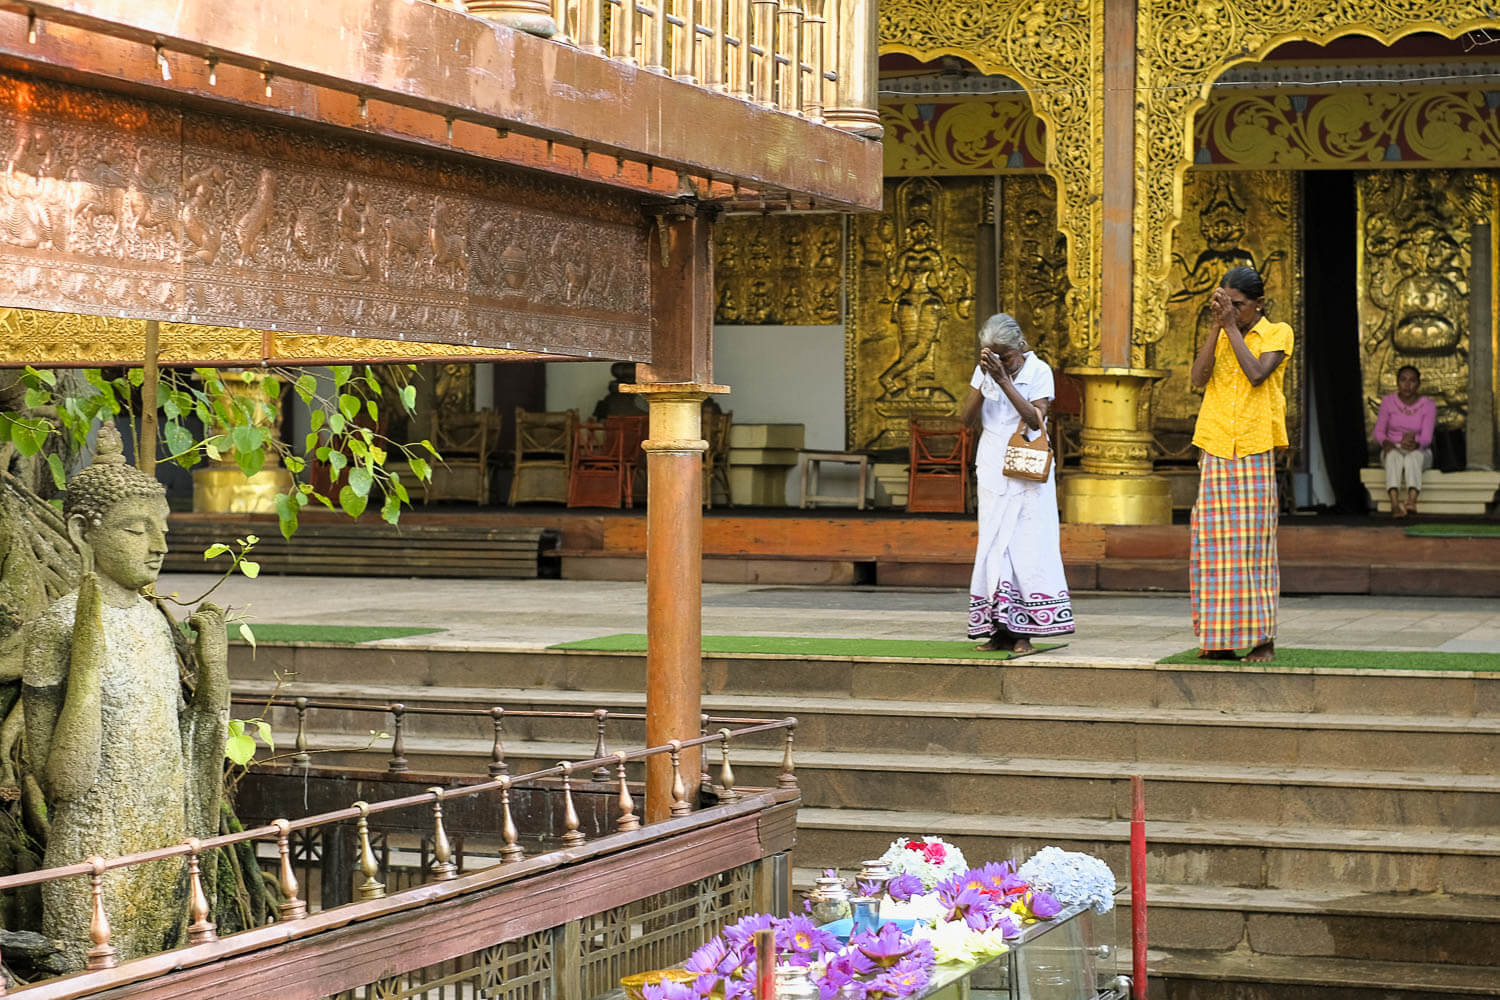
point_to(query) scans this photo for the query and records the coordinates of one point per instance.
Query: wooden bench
(365, 548)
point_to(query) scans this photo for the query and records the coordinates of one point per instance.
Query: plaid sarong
(1232, 569)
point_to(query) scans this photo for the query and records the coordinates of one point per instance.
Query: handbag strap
(1020, 440)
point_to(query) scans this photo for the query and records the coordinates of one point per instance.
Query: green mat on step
(346, 635)
(1355, 659)
(1453, 531)
(910, 649)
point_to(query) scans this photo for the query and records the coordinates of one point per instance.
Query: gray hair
(1002, 330)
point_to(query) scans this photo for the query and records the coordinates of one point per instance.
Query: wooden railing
(811, 58)
(567, 839)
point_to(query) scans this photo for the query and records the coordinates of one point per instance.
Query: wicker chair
(544, 454)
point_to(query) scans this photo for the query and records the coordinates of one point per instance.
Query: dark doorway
(1331, 340)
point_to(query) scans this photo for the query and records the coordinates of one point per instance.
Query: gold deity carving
(911, 326)
(1033, 281)
(1230, 219)
(1414, 250)
(784, 269)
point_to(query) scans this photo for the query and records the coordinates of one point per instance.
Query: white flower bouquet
(1072, 876)
(930, 859)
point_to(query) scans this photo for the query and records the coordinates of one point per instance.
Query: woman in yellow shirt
(1233, 573)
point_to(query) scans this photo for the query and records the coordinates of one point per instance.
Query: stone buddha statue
(124, 761)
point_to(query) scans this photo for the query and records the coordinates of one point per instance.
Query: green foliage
(239, 428)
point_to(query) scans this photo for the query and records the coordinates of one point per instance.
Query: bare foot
(997, 644)
(1411, 502)
(1217, 654)
(1264, 653)
(1397, 509)
(1022, 645)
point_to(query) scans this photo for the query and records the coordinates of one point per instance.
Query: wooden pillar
(1115, 484)
(675, 385)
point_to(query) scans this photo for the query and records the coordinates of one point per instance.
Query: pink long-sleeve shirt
(1394, 422)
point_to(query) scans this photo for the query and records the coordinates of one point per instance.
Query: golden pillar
(221, 486)
(674, 580)
(1115, 484)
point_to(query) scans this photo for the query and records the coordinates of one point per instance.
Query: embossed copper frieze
(121, 207)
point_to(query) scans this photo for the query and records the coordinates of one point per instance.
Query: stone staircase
(1323, 835)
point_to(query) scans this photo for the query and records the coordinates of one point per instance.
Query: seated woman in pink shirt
(1404, 432)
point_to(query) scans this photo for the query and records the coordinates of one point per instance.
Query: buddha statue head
(117, 516)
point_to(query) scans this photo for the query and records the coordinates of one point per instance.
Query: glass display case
(1071, 957)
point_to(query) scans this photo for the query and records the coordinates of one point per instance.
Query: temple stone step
(1430, 744)
(1452, 493)
(1192, 975)
(1116, 689)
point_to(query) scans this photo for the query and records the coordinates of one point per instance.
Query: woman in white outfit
(1018, 589)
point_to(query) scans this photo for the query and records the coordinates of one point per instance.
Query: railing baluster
(814, 28)
(851, 46)
(726, 774)
(572, 836)
(711, 50)
(398, 763)
(627, 820)
(301, 757)
(512, 851)
(443, 868)
(291, 906)
(601, 773)
(705, 780)
(680, 804)
(560, 17)
(788, 777)
(497, 752)
(764, 85)
(201, 930)
(739, 60)
(789, 45)
(623, 24)
(656, 37)
(591, 26)
(101, 954)
(371, 887)
(684, 40)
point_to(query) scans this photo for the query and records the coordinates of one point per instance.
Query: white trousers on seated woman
(1407, 463)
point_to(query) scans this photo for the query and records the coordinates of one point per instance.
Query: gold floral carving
(1055, 51)
(1033, 267)
(1413, 274)
(909, 333)
(1184, 45)
(53, 339)
(978, 136)
(1367, 127)
(785, 269)
(1230, 218)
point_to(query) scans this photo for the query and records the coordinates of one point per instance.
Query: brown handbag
(1027, 459)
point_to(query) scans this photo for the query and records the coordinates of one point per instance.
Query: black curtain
(1331, 340)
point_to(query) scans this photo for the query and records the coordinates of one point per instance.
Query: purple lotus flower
(668, 989)
(742, 934)
(803, 938)
(1044, 905)
(991, 877)
(968, 904)
(869, 889)
(707, 958)
(885, 946)
(1013, 884)
(842, 970)
(904, 887)
(1007, 924)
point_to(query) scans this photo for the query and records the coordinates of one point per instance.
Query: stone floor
(531, 614)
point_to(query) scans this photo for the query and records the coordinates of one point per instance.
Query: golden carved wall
(1055, 51)
(1032, 279)
(782, 269)
(909, 334)
(1413, 264)
(1184, 45)
(1230, 218)
(985, 135)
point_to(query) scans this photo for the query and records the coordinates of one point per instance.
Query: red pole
(1138, 887)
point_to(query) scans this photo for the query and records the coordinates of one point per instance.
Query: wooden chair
(939, 478)
(716, 427)
(544, 454)
(597, 477)
(470, 445)
(632, 431)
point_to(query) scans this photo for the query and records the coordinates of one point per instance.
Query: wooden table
(812, 460)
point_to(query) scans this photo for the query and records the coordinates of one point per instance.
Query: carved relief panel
(781, 269)
(1229, 219)
(110, 205)
(1413, 259)
(1033, 268)
(909, 337)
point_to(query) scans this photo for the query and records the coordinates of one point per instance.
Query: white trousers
(1408, 463)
